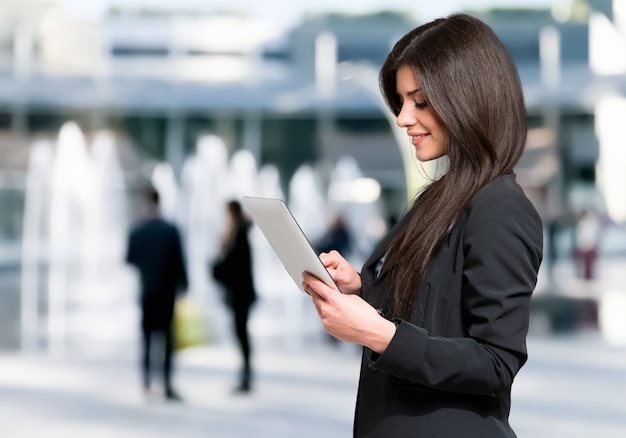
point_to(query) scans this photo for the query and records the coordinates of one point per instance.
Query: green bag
(190, 328)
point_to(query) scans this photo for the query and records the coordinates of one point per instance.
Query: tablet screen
(287, 239)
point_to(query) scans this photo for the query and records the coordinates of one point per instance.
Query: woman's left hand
(349, 317)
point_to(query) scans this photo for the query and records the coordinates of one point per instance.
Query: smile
(417, 139)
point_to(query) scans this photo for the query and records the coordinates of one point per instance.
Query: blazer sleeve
(502, 250)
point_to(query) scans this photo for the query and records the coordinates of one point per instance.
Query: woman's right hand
(346, 278)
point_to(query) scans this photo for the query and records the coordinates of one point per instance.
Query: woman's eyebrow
(410, 93)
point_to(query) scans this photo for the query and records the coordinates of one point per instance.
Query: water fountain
(306, 202)
(76, 219)
(106, 216)
(164, 181)
(75, 223)
(72, 190)
(202, 194)
(34, 239)
(100, 290)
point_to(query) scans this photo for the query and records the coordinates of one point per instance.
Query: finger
(329, 258)
(317, 302)
(306, 287)
(315, 285)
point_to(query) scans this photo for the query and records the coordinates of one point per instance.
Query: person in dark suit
(442, 305)
(155, 250)
(336, 237)
(233, 269)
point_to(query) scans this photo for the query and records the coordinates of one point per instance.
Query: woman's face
(423, 126)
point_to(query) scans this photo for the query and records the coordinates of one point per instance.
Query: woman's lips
(418, 139)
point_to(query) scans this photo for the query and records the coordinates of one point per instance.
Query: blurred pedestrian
(587, 241)
(336, 237)
(233, 270)
(442, 305)
(155, 250)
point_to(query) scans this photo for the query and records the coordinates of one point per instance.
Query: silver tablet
(287, 239)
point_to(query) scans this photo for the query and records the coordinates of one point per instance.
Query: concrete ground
(573, 386)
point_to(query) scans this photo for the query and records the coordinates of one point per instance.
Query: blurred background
(209, 101)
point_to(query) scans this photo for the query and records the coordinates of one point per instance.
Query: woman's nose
(405, 118)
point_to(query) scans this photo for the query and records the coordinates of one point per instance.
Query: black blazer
(155, 249)
(448, 371)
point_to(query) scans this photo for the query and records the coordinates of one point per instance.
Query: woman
(441, 306)
(234, 271)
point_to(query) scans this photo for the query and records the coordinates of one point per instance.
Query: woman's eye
(421, 105)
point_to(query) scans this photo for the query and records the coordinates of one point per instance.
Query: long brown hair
(469, 79)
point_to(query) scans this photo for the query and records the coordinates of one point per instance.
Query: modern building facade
(161, 78)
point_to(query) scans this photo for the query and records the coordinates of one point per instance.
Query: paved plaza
(573, 386)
